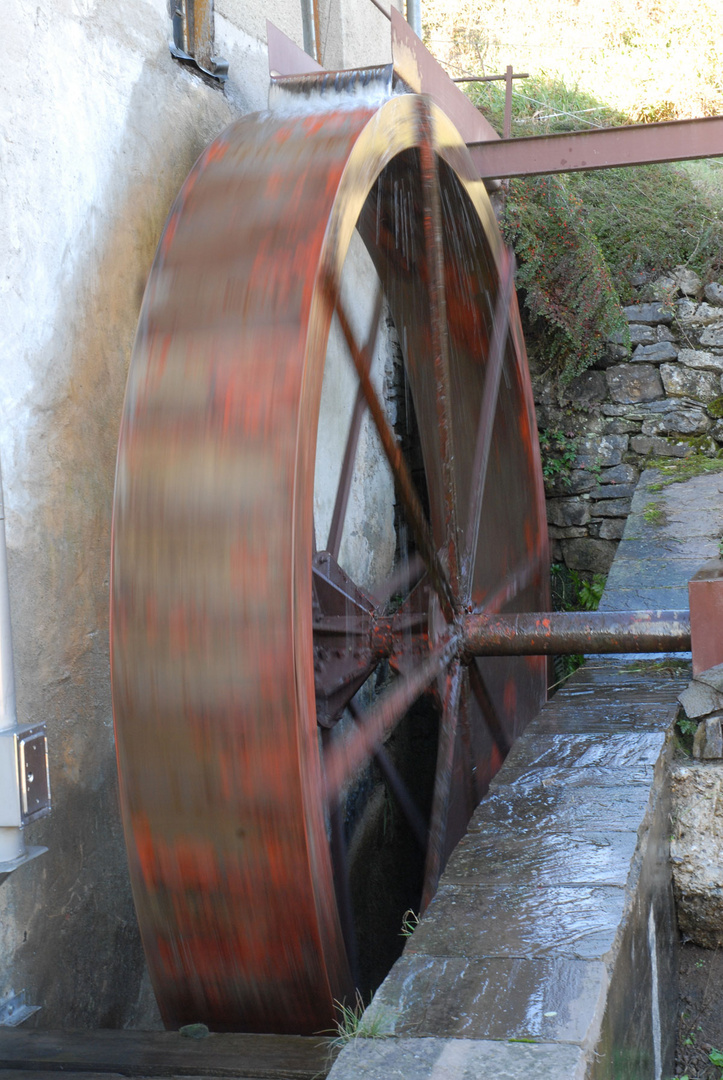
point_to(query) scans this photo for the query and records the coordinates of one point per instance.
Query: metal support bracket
(193, 37)
(14, 1009)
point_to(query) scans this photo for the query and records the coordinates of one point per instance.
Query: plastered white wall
(98, 128)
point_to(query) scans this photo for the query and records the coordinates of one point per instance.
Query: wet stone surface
(522, 920)
(549, 999)
(458, 1059)
(554, 920)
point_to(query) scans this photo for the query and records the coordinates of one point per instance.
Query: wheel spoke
(347, 467)
(485, 424)
(489, 712)
(342, 887)
(397, 464)
(442, 783)
(434, 247)
(345, 756)
(414, 816)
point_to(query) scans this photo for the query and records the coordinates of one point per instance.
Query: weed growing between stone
(352, 1024)
(654, 514)
(410, 922)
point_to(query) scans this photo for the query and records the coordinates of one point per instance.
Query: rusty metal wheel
(254, 675)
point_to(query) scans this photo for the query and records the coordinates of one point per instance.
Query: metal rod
(442, 784)
(345, 756)
(436, 296)
(400, 471)
(558, 633)
(414, 16)
(602, 148)
(490, 78)
(487, 414)
(347, 467)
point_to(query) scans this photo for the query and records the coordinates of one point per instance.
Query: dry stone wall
(661, 397)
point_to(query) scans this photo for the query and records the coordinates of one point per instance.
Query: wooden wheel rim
(217, 744)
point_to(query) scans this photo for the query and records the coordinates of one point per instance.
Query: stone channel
(550, 949)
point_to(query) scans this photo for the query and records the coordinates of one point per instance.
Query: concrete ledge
(457, 1059)
(554, 920)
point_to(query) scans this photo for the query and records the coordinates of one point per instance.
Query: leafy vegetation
(558, 450)
(571, 303)
(581, 239)
(410, 922)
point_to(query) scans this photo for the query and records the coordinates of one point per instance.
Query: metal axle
(545, 633)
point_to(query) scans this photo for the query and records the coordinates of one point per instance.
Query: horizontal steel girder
(601, 148)
(558, 633)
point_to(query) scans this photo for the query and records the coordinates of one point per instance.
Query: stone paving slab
(528, 803)
(548, 999)
(579, 750)
(578, 923)
(458, 1059)
(494, 856)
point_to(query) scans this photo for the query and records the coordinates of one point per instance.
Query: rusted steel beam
(602, 148)
(557, 633)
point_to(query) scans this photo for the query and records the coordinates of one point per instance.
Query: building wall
(98, 128)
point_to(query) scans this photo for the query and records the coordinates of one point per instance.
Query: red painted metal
(285, 56)
(216, 585)
(575, 151)
(561, 632)
(705, 592)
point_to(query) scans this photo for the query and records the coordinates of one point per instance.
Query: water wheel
(259, 663)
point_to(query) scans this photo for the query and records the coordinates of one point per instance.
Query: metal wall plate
(34, 773)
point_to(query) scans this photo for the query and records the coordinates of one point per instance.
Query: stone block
(712, 677)
(569, 532)
(642, 335)
(700, 700)
(621, 426)
(683, 421)
(567, 512)
(655, 354)
(620, 474)
(658, 447)
(713, 293)
(609, 409)
(695, 851)
(630, 383)
(545, 999)
(664, 287)
(713, 335)
(685, 310)
(613, 491)
(687, 281)
(601, 450)
(682, 381)
(663, 333)
(578, 482)
(457, 1059)
(697, 358)
(708, 739)
(577, 922)
(588, 554)
(587, 389)
(705, 314)
(612, 529)
(612, 508)
(648, 313)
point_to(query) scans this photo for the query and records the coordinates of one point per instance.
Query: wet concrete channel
(550, 949)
